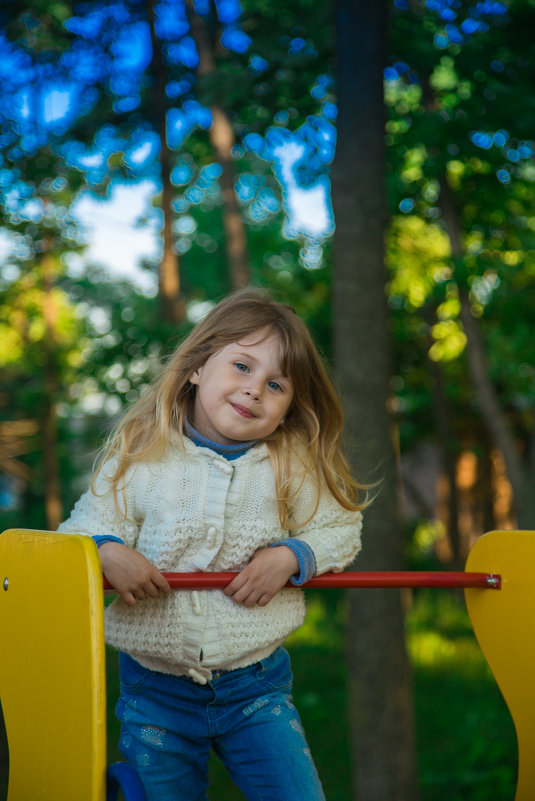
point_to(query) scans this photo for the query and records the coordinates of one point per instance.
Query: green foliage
(467, 742)
(460, 157)
(43, 334)
(281, 92)
(462, 117)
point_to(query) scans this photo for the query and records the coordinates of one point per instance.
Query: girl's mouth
(242, 410)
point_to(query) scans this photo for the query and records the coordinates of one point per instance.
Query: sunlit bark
(222, 140)
(51, 472)
(448, 455)
(171, 301)
(14, 442)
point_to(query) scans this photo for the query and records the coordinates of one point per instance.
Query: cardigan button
(197, 677)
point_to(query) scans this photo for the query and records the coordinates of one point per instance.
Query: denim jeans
(169, 724)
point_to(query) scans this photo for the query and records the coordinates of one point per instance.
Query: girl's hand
(130, 573)
(266, 574)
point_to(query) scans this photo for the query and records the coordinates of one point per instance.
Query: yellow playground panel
(504, 624)
(52, 668)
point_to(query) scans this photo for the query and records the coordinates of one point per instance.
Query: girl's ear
(195, 377)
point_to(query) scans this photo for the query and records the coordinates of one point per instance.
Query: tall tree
(171, 299)
(42, 344)
(222, 139)
(461, 133)
(35, 316)
(380, 677)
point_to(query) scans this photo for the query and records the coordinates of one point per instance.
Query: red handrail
(492, 581)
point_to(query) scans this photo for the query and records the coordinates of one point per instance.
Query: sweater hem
(199, 668)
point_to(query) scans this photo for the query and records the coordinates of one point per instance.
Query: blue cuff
(100, 539)
(305, 557)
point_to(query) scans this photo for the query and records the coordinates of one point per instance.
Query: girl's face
(242, 393)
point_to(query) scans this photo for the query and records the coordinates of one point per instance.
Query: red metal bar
(198, 581)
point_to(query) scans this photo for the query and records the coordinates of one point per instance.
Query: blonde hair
(309, 436)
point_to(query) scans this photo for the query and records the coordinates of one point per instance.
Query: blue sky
(113, 239)
(116, 243)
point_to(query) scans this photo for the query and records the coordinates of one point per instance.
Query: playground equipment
(52, 671)
(504, 628)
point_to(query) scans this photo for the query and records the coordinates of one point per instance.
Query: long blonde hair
(309, 436)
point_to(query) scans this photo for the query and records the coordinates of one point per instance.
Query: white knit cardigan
(194, 510)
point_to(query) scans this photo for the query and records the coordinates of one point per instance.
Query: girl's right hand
(130, 573)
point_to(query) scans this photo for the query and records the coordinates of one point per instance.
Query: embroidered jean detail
(143, 760)
(260, 703)
(126, 741)
(147, 749)
(126, 710)
(153, 736)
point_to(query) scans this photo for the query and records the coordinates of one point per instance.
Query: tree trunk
(448, 453)
(380, 675)
(222, 140)
(171, 301)
(53, 504)
(493, 416)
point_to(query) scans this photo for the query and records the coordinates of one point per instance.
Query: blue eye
(241, 367)
(275, 386)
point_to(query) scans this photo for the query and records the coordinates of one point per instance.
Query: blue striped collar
(229, 452)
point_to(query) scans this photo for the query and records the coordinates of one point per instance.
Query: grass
(467, 742)
(466, 738)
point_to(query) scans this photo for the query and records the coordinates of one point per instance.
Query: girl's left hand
(266, 574)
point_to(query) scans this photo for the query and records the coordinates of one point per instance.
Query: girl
(230, 461)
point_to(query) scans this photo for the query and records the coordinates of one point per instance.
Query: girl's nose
(253, 391)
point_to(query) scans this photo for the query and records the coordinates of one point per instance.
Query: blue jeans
(247, 716)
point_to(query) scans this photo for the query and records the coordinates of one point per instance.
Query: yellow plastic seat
(504, 624)
(52, 667)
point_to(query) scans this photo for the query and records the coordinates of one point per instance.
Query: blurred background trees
(228, 113)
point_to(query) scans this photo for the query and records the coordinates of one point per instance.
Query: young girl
(230, 461)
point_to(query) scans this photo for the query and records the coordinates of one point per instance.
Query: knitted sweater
(195, 510)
